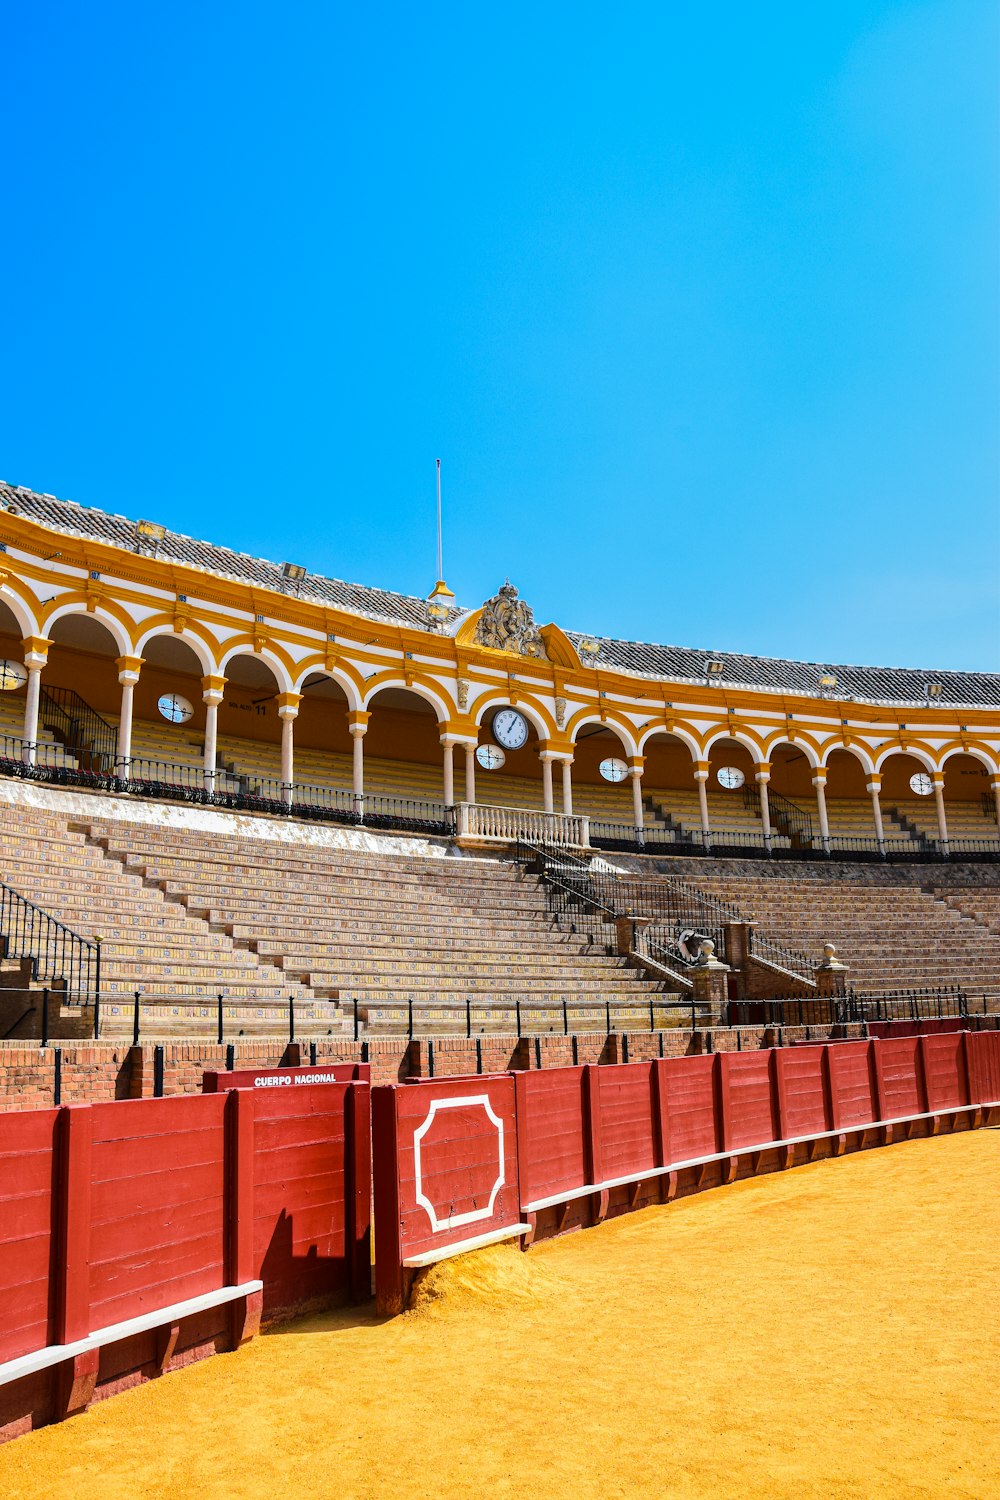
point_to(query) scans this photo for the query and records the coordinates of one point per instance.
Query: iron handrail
(58, 955)
(79, 724)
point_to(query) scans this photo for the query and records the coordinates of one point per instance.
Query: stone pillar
(548, 801)
(212, 691)
(357, 725)
(831, 974)
(819, 782)
(129, 668)
(635, 769)
(470, 772)
(701, 774)
(942, 820)
(448, 753)
(762, 777)
(996, 797)
(36, 650)
(708, 976)
(288, 708)
(567, 785)
(873, 791)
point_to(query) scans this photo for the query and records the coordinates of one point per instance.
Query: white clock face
(922, 784)
(12, 676)
(730, 777)
(510, 728)
(175, 708)
(613, 769)
(490, 757)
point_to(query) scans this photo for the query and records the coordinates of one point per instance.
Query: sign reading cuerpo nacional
(508, 624)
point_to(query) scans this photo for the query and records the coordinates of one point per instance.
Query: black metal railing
(941, 1003)
(789, 819)
(989, 806)
(626, 838)
(781, 956)
(73, 720)
(59, 956)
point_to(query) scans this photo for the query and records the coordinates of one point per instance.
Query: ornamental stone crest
(508, 624)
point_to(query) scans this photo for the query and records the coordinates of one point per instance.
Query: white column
(211, 695)
(34, 661)
(448, 748)
(548, 802)
(996, 798)
(357, 724)
(762, 777)
(701, 773)
(873, 791)
(288, 708)
(567, 785)
(470, 771)
(819, 782)
(942, 820)
(635, 769)
(128, 676)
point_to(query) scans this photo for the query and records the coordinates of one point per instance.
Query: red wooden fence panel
(27, 1165)
(803, 1092)
(445, 1157)
(983, 1052)
(901, 1083)
(750, 1100)
(852, 1095)
(691, 1107)
(944, 1071)
(158, 1220)
(304, 1237)
(628, 1139)
(552, 1155)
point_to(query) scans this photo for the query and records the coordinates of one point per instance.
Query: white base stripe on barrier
(56, 1354)
(478, 1242)
(703, 1161)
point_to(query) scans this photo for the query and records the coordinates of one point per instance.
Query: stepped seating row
(48, 753)
(382, 928)
(893, 937)
(966, 820)
(149, 943)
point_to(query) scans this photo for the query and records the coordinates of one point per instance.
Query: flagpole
(440, 559)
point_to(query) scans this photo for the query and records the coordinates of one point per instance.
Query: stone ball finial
(829, 952)
(707, 950)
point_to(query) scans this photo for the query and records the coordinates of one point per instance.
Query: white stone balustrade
(505, 824)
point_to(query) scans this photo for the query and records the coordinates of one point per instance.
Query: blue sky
(697, 304)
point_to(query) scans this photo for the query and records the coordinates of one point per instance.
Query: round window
(921, 783)
(613, 769)
(175, 708)
(12, 676)
(731, 777)
(490, 757)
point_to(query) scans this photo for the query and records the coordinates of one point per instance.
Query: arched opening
(402, 748)
(168, 712)
(908, 803)
(508, 773)
(792, 800)
(970, 802)
(848, 802)
(80, 695)
(603, 798)
(734, 808)
(249, 727)
(12, 685)
(669, 791)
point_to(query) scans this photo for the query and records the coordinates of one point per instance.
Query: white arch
(627, 740)
(114, 626)
(334, 674)
(502, 700)
(858, 751)
(992, 766)
(26, 621)
(209, 666)
(806, 749)
(277, 666)
(743, 739)
(926, 760)
(440, 705)
(686, 738)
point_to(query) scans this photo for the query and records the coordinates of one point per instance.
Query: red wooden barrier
(446, 1174)
(137, 1234)
(277, 1078)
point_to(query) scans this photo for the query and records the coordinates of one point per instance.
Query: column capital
(449, 738)
(36, 650)
(358, 720)
(288, 705)
(874, 782)
(129, 668)
(762, 774)
(819, 776)
(636, 765)
(212, 689)
(937, 777)
(702, 770)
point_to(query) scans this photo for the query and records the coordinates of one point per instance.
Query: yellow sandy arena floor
(831, 1331)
